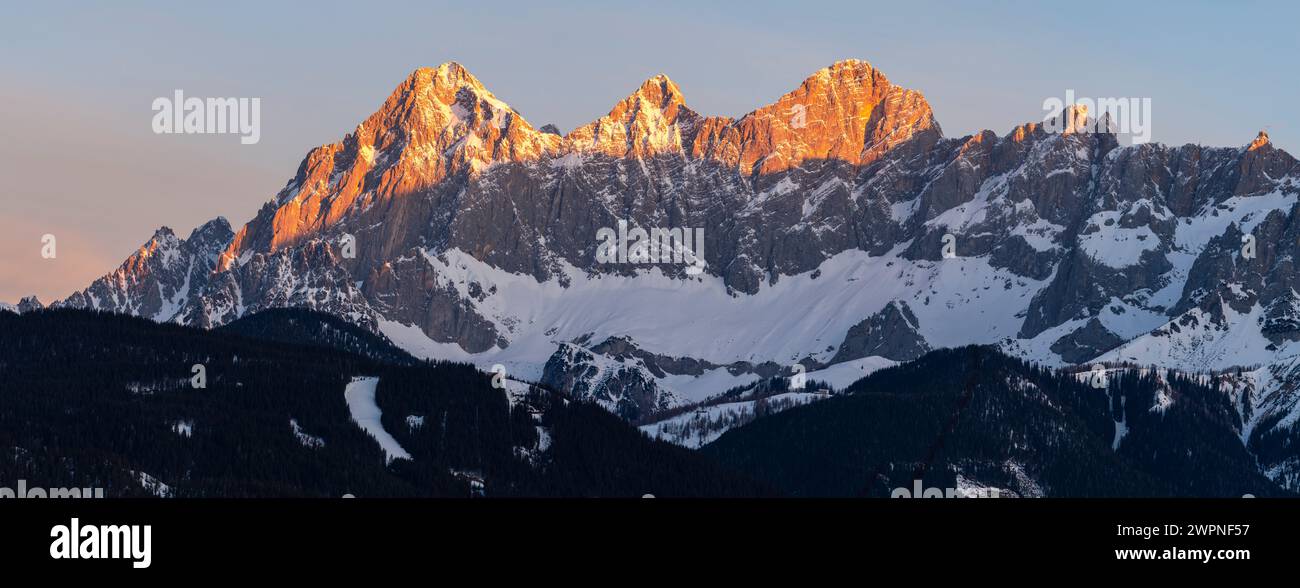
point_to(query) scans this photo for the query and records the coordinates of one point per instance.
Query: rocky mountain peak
(848, 112)
(654, 119)
(158, 278)
(450, 72)
(438, 123)
(434, 104)
(29, 304)
(163, 238)
(163, 232)
(845, 71)
(161, 249)
(1073, 119)
(661, 90)
(211, 238)
(214, 228)
(415, 102)
(1261, 141)
(1262, 165)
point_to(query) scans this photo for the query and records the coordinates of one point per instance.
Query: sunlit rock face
(438, 124)
(848, 112)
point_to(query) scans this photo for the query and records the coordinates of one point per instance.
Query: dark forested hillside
(974, 418)
(303, 326)
(99, 400)
(258, 408)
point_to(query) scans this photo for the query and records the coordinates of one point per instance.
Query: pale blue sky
(78, 158)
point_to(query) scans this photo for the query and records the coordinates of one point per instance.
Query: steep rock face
(309, 276)
(654, 120)
(891, 333)
(848, 112)
(438, 124)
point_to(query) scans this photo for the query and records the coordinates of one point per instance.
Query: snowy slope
(717, 327)
(360, 396)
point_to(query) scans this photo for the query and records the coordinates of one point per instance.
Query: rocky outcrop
(1085, 343)
(625, 389)
(29, 304)
(891, 333)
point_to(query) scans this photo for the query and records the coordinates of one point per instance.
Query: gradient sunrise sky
(78, 158)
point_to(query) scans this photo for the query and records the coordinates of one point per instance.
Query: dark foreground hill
(99, 400)
(972, 418)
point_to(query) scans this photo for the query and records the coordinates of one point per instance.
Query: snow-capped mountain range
(825, 217)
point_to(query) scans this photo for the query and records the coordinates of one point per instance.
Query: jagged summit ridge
(652, 120)
(442, 123)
